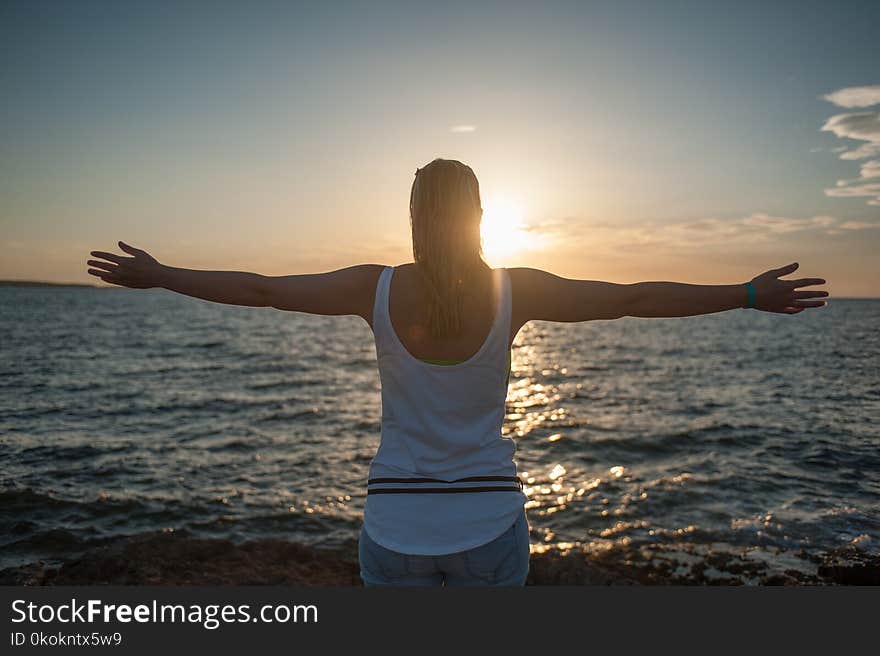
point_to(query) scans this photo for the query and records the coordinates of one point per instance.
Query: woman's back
(410, 314)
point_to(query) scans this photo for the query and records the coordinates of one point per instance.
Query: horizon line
(12, 282)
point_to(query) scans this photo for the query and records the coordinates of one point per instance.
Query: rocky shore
(177, 558)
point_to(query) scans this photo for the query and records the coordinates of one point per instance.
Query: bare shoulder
(361, 281)
(527, 285)
(526, 279)
(366, 274)
(354, 279)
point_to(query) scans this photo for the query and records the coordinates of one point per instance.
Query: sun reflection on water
(536, 407)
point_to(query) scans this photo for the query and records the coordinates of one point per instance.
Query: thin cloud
(862, 152)
(859, 225)
(856, 189)
(851, 97)
(864, 126)
(460, 129)
(784, 224)
(752, 229)
(870, 169)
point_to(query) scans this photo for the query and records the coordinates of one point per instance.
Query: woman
(444, 503)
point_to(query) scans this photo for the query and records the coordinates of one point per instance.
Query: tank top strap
(501, 326)
(381, 318)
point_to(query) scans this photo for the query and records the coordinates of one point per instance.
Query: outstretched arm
(345, 291)
(544, 296)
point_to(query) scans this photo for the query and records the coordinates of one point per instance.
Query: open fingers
(784, 271)
(107, 266)
(106, 277)
(812, 293)
(100, 273)
(804, 282)
(118, 259)
(103, 275)
(131, 250)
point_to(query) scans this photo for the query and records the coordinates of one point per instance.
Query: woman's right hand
(141, 271)
(775, 295)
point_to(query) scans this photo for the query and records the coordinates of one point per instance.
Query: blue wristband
(750, 290)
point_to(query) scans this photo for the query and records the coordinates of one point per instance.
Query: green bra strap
(448, 362)
(442, 361)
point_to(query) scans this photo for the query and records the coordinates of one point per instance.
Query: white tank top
(443, 479)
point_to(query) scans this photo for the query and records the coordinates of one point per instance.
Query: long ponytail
(445, 214)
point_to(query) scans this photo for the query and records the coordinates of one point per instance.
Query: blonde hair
(445, 214)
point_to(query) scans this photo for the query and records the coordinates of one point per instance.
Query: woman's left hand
(140, 271)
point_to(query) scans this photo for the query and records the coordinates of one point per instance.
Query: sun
(503, 232)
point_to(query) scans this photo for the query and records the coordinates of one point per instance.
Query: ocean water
(745, 433)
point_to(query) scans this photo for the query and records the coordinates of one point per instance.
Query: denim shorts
(504, 561)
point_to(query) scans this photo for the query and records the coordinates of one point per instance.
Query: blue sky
(640, 140)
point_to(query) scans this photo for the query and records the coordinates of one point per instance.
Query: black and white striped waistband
(422, 485)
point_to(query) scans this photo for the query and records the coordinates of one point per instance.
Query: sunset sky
(702, 142)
